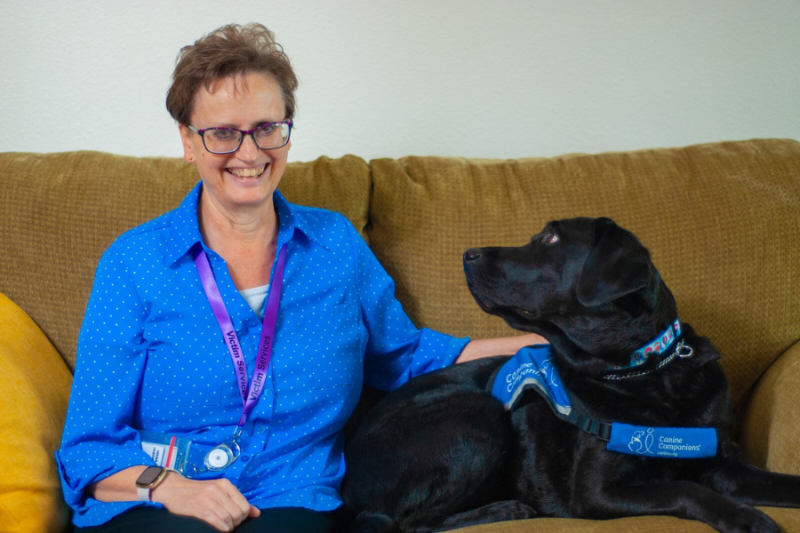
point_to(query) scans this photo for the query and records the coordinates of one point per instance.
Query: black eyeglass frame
(242, 133)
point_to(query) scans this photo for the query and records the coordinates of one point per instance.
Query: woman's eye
(224, 135)
(550, 238)
(266, 130)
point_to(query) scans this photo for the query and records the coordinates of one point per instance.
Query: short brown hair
(229, 51)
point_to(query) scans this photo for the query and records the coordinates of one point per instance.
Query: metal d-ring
(684, 350)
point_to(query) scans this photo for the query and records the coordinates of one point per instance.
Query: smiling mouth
(248, 173)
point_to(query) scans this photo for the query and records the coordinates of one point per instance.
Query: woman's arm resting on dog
(217, 502)
(499, 346)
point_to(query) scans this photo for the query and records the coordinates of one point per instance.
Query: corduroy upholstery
(722, 222)
(768, 436)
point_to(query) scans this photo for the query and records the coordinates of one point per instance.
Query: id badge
(165, 450)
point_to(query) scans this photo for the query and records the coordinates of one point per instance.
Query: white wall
(427, 77)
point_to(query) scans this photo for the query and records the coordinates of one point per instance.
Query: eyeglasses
(267, 136)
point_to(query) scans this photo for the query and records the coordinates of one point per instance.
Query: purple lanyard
(249, 397)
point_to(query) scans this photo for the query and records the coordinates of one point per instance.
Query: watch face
(149, 476)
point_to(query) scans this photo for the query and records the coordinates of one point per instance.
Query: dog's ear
(618, 265)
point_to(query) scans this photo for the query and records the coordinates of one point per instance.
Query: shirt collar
(184, 230)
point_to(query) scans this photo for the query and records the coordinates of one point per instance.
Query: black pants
(277, 520)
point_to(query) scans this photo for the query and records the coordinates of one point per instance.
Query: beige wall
(427, 77)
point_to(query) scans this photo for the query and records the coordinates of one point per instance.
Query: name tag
(664, 442)
(166, 450)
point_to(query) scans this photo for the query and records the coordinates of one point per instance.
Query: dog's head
(583, 281)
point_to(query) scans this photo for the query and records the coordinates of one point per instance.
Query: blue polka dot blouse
(152, 357)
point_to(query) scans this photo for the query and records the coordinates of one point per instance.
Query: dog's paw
(745, 519)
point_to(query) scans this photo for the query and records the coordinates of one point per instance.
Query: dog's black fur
(441, 453)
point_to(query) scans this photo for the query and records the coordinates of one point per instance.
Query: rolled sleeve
(98, 439)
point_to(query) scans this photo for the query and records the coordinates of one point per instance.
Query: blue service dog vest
(532, 368)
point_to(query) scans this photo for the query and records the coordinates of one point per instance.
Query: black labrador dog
(442, 452)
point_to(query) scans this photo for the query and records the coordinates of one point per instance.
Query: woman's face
(249, 176)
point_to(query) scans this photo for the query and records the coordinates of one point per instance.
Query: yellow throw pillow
(34, 389)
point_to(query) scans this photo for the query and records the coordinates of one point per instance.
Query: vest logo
(641, 445)
(545, 370)
(664, 442)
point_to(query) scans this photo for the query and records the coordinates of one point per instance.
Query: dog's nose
(472, 254)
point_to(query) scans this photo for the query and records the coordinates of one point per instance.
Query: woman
(176, 366)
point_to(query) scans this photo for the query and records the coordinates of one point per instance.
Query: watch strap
(144, 494)
(144, 485)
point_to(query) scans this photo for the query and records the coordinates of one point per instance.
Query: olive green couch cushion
(788, 519)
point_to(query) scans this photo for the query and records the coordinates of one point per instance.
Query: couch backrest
(722, 222)
(60, 211)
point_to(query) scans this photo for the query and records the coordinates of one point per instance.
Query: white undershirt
(255, 298)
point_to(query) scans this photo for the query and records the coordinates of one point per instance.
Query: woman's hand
(216, 501)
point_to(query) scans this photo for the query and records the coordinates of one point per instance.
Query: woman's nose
(248, 150)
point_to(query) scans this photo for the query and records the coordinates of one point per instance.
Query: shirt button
(268, 392)
(245, 458)
(261, 430)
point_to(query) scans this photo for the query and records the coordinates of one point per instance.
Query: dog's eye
(550, 238)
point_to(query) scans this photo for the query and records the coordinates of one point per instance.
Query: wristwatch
(148, 480)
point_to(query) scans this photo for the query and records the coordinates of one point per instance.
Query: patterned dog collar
(656, 348)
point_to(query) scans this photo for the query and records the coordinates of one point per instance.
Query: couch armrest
(771, 423)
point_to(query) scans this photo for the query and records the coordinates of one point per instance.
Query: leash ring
(684, 351)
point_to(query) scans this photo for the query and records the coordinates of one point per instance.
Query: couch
(722, 222)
